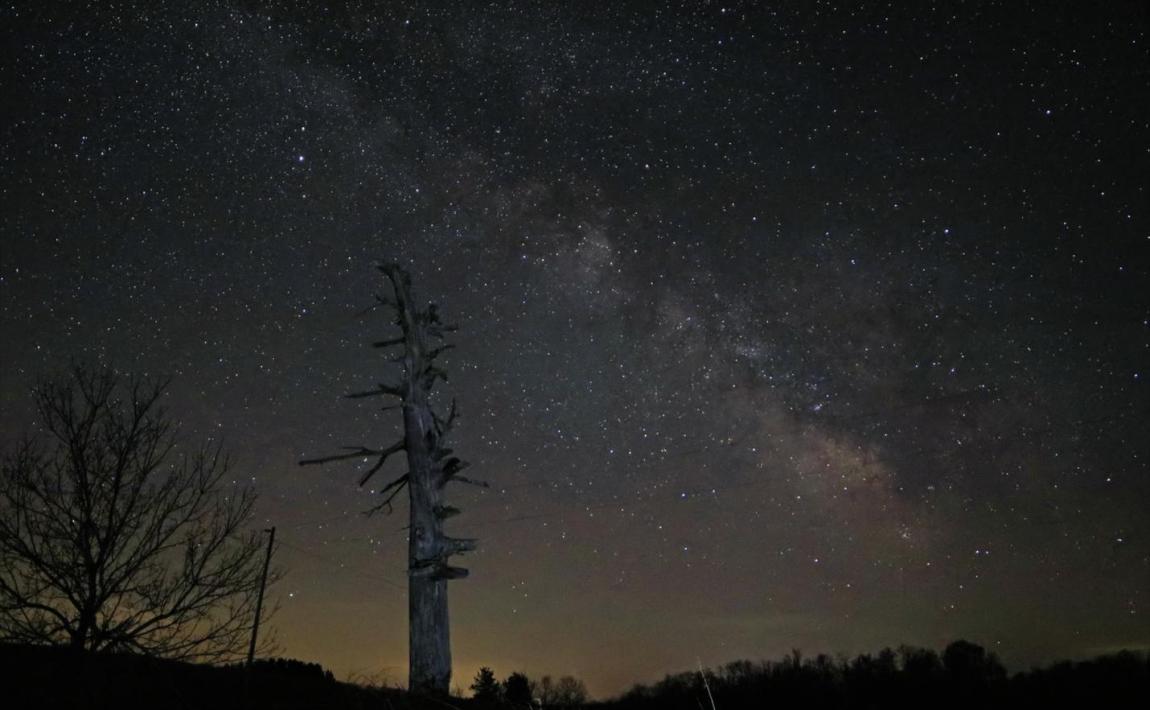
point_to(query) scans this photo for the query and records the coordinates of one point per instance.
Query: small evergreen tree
(485, 688)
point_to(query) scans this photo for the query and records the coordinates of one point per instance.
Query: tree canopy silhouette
(517, 692)
(114, 537)
(964, 676)
(485, 687)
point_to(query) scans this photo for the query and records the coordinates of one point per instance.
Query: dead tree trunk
(430, 467)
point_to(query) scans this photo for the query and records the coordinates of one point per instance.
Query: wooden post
(260, 598)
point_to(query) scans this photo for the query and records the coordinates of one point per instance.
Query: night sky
(791, 326)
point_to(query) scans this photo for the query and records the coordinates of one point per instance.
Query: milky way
(794, 327)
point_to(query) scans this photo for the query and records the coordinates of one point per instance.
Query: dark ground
(43, 677)
(963, 676)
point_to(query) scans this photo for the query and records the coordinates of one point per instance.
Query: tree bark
(430, 467)
(429, 636)
(429, 650)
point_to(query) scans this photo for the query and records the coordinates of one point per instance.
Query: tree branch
(470, 481)
(443, 425)
(397, 485)
(455, 545)
(389, 342)
(381, 301)
(393, 449)
(443, 512)
(382, 389)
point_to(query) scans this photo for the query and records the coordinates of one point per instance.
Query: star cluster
(795, 326)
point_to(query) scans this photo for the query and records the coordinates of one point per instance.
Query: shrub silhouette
(485, 688)
(517, 691)
(292, 667)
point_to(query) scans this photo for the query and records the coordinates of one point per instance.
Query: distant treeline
(964, 676)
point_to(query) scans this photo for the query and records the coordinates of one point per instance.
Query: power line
(320, 521)
(345, 567)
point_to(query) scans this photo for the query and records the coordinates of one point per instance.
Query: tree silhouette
(971, 671)
(485, 687)
(113, 538)
(430, 467)
(970, 663)
(517, 691)
(566, 692)
(964, 676)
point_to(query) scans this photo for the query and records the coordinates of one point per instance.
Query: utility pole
(260, 599)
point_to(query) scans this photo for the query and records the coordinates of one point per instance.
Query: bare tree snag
(430, 467)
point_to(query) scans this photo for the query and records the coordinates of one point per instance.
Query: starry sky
(782, 325)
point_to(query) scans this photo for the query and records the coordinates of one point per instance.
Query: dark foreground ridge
(963, 676)
(51, 677)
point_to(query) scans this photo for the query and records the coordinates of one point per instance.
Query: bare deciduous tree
(567, 692)
(431, 466)
(113, 538)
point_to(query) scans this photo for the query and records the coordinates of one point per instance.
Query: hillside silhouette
(57, 677)
(963, 676)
